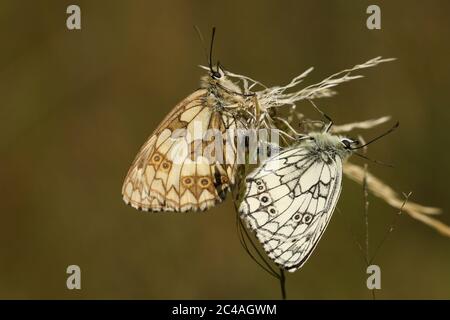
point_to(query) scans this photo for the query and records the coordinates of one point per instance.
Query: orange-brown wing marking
(141, 175)
(161, 179)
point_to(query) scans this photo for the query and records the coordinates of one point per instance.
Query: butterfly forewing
(179, 168)
(289, 201)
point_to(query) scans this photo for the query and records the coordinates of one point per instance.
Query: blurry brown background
(77, 105)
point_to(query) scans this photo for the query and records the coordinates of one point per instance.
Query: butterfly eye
(272, 210)
(216, 75)
(348, 142)
(297, 217)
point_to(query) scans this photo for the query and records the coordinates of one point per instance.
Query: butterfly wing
(289, 201)
(178, 169)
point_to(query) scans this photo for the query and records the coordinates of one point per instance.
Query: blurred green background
(77, 105)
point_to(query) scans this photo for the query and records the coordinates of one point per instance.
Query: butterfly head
(218, 77)
(217, 82)
(324, 142)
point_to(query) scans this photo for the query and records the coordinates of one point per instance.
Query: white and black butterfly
(290, 198)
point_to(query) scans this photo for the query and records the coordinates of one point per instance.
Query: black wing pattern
(289, 201)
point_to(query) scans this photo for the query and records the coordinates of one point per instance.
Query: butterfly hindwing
(180, 170)
(289, 201)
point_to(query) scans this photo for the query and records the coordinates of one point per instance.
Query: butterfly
(290, 198)
(182, 166)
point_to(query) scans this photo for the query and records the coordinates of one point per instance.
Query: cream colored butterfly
(179, 168)
(291, 197)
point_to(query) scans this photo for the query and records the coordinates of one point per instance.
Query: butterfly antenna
(202, 40)
(330, 124)
(381, 163)
(396, 125)
(211, 48)
(218, 66)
